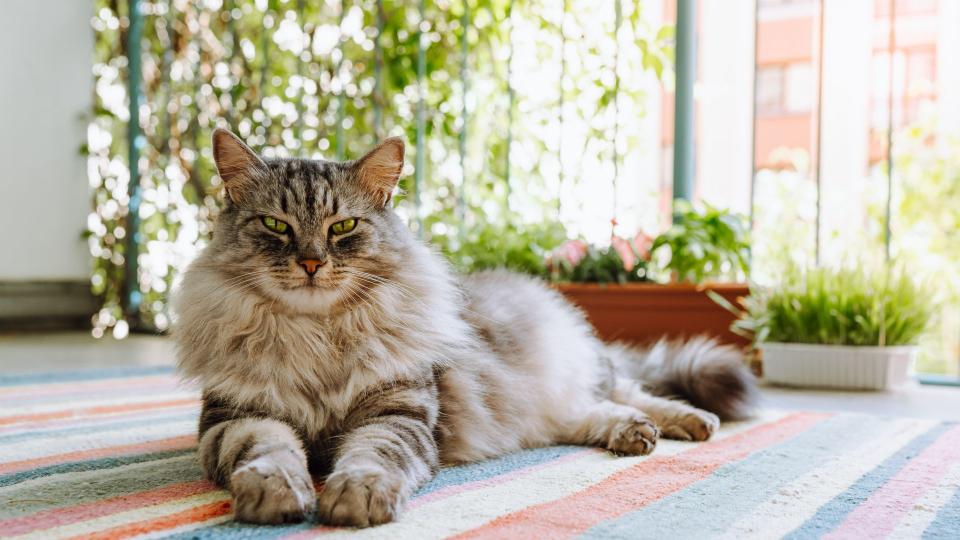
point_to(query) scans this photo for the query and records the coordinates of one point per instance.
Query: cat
(329, 341)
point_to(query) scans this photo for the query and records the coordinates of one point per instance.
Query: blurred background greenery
(527, 124)
(328, 79)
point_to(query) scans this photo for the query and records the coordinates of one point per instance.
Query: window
(785, 89)
(769, 90)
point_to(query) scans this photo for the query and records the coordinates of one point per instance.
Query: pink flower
(625, 251)
(642, 243)
(573, 251)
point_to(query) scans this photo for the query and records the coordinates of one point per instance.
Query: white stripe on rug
(795, 502)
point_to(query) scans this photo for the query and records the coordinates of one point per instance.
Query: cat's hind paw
(693, 425)
(634, 436)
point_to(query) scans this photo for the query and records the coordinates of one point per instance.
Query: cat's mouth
(312, 283)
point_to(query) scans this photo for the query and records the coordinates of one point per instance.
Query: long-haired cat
(330, 342)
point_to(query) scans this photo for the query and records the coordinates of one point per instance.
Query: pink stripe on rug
(878, 516)
(98, 410)
(57, 517)
(203, 512)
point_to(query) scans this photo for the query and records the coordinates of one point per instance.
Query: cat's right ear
(380, 169)
(237, 164)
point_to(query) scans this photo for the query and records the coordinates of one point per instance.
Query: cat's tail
(700, 370)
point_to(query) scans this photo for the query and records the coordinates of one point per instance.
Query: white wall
(46, 53)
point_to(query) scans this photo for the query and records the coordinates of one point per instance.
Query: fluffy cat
(330, 342)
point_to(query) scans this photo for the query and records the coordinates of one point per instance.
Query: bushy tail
(707, 374)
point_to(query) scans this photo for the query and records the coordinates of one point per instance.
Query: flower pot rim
(684, 286)
(825, 346)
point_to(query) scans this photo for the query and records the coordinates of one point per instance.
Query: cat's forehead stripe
(309, 189)
(306, 187)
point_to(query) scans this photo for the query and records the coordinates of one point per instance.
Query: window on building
(785, 89)
(769, 90)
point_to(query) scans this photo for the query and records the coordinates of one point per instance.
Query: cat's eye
(274, 224)
(345, 226)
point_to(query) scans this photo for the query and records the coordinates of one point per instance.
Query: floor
(33, 353)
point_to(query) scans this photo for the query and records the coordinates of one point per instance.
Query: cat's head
(307, 234)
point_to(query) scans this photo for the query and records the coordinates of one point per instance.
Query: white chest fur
(306, 370)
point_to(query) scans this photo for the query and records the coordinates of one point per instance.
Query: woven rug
(111, 454)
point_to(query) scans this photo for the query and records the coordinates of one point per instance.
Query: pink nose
(311, 265)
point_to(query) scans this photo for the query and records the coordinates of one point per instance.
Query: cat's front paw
(265, 492)
(635, 436)
(692, 425)
(360, 498)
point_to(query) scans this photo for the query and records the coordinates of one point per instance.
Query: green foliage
(521, 248)
(928, 209)
(703, 244)
(601, 265)
(837, 307)
(926, 218)
(708, 244)
(328, 79)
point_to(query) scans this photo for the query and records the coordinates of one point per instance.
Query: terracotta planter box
(645, 312)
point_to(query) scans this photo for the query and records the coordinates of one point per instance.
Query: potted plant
(642, 289)
(837, 328)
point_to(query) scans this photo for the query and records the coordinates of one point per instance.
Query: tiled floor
(32, 353)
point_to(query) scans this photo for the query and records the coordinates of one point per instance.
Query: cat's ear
(379, 170)
(237, 164)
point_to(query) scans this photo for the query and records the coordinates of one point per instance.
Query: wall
(46, 52)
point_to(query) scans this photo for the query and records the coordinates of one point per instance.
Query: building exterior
(783, 106)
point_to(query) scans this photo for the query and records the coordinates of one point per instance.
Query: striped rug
(111, 454)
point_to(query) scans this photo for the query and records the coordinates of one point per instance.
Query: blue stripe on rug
(484, 470)
(947, 522)
(451, 476)
(235, 529)
(89, 465)
(832, 514)
(83, 375)
(707, 507)
(98, 428)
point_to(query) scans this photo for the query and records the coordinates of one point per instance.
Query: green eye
(274, 224)
(345, 226)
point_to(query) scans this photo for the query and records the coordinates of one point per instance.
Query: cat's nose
(311, 265)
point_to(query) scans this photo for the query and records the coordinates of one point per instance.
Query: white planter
(836, 366)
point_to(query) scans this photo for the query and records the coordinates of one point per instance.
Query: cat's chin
(308, 300)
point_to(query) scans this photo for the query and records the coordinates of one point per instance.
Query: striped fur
(383, 365)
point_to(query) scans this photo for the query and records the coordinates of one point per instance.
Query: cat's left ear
(379, 170)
